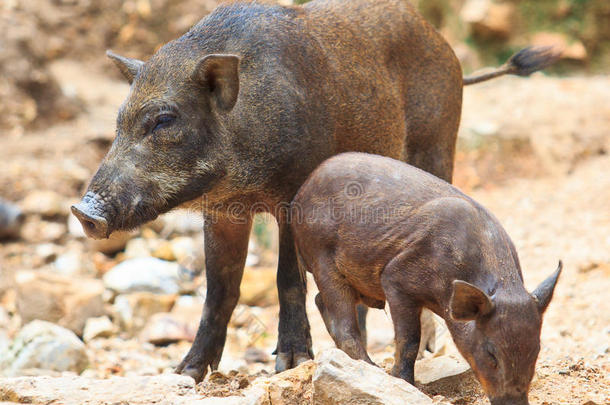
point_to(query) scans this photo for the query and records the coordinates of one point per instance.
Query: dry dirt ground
(554, 207)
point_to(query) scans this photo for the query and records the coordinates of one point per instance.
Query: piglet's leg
(407, 332)
(337, 305)
(406, 315)
(362, 310)
(407, 327)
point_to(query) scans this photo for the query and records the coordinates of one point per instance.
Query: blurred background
(533, 150)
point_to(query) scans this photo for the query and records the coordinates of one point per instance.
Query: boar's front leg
(226, 247)
(294, 339)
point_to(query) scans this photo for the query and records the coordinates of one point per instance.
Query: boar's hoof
(196, 373)
(285, 361)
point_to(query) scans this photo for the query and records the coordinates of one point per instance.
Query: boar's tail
(522, 63)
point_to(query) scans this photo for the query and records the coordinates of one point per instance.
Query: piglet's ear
(129, 67)
(219, 75)
(469, 302)
(544, 292)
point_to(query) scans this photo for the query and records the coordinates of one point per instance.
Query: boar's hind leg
(294, 339)
(226, 247)
(433, 118)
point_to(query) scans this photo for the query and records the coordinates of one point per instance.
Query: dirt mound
(37, 32)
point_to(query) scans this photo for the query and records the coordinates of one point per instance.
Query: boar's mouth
(100, 218)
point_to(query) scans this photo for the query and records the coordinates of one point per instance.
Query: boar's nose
(95, 227)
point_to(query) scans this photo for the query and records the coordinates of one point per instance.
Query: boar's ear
(219, 75)
(544, 292)
(469, 302)
(128, 67)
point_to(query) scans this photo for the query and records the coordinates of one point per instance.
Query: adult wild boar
(372, 229)
(246, 104)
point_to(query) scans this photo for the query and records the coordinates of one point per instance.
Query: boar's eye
(491, 356)
(163, 121)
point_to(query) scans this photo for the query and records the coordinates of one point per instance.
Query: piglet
(373, 229)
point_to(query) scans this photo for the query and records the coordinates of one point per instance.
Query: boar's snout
(95, 226)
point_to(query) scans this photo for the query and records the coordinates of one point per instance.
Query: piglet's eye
(163, 121)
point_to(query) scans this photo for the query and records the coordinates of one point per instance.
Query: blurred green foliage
(262, 232)
(587, 21)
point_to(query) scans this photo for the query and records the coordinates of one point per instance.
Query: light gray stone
(437, 368)
(144, 274)
(164, 389)
(339, 379)
(67, 301)
(133, 310)
(47, 203)
(45, 346)
(98, 327)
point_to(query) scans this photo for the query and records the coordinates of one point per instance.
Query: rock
(11, 220)
(137, 247)
(47, 252)
(186, 251)
(36, 231)
(68, 264)
(256, 355)
(571, 48)
(437, 368)
(291, 387)
(179, 324)
(164, 389)
(67, 301)
(338, 379)
(258, 287)
(164, 252)
(145, 274)
(45, 346)
(189, 306)
(485, 128)
(133, 310)
(4, 342)
(180, 222)
(98, 327)
(436, 335)
(46, 203)
(488, 19)
(165, 328)
(115, 243)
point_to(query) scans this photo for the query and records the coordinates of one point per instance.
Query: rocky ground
(106, 322)
(117, 314)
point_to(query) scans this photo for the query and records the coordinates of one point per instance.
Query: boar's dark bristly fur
(244, 106)
(372, 229)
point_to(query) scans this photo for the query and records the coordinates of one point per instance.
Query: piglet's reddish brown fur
(372, 229)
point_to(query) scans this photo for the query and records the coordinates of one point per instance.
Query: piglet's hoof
(285, 361)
